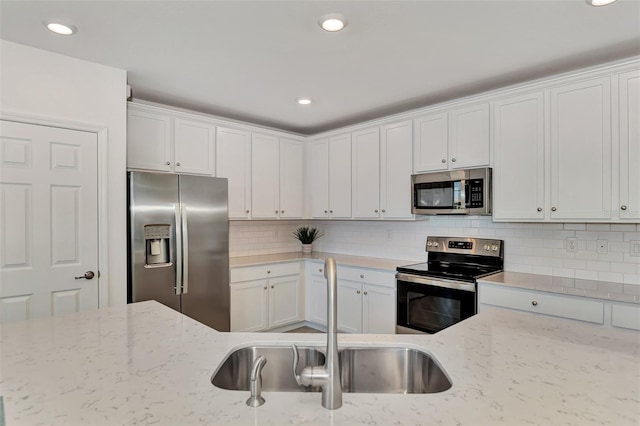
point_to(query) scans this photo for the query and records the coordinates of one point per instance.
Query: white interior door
(48, 221)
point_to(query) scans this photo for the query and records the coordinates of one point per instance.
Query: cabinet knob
(453, 160)
(268, 271)
(247, 211)
(384, 211)
(325, 212)
(281, 211)
(330, 211)
(178, 164)
(534, 303)
(623, 207)
(444, 161)
(265, 287)
(553, 209)
(276, 211)
(357, 291)
(376, 210)
(272, 286)
(361, 275)
(539, 209)
(320, 270)
(365, 293)
(168, 163)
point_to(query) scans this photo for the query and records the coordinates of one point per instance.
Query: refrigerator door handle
(179, 260)
(185, 251)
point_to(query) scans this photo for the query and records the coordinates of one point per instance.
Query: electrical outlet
(572, 245)
(389, 235)
(603, 246)
(635, 248)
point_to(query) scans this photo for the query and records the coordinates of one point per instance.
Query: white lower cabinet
(266, 296)
(558, 305)
(316, 293)
(625, 316)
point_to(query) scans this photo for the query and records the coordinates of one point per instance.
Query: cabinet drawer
(264, 271)
(625, 316)
(542, 303)
(369, 276)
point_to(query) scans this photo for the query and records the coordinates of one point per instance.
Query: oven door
(430, 305)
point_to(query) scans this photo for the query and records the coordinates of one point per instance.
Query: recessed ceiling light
(303, 101)
(599, 2)
(60, 28)
(332, 22)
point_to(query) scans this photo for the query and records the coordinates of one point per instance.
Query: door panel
(48, 221)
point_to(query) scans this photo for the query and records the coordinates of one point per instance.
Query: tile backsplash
(538, 248)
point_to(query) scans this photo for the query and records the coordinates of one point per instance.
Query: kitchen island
(147, 364)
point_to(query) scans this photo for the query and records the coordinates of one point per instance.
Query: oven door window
(440, 195)
(431, 309)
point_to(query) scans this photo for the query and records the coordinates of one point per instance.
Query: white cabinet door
(366, 174)
(581, 178)
(194, 147)
(629, 205)
(318, 178)
(285, 301)
(431, 142)
(340, 177)
(149, 143)
(265, 168)
(233, 161)
(291, 178)
(518, 175)
(395, 170)
(469, 141)
(378, 309)
(316, 294)
(349, 306)
(249, 306)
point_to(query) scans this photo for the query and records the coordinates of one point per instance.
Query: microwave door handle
(465, 194)
(178, 287)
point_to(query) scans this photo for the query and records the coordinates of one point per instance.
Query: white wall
(529, 247)
(50, 86)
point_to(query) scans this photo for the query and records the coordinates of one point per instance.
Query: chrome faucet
(328, 375)
(256, 400)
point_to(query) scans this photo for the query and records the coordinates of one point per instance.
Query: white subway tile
(631, 279)
(625, 268)
(542, 270)
(563, 272)
(598, 227)
(611, 236)
(610, 276)
(586, 275)
(575, 226)
(623, 227)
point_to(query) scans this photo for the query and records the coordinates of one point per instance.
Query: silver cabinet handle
(534, 303)
(623, 207)
(539, 209)
(453, 160)
(178, 164)
(87, 276)
(357, 291)
(185, 251)
(553, 209)
(168, 163)
(179, 259)
(444, 161)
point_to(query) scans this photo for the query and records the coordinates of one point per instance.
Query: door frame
(101, 132)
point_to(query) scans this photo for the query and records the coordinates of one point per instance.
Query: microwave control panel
(476, 189)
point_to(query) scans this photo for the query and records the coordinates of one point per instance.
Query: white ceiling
(250, 60)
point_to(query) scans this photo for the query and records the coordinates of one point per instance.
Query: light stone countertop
(341, 259)
(572, 286)
(146, 364)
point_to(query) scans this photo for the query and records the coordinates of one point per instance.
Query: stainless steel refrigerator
(179, 244)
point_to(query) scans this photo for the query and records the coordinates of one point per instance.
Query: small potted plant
(307, 236)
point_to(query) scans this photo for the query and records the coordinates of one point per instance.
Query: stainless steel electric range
(434, 295)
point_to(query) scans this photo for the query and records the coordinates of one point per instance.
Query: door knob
(87, 276)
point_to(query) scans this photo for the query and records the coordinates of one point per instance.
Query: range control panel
(464, 245)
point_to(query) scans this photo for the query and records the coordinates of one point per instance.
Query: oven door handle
(439, 282)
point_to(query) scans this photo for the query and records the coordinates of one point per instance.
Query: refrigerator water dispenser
(156, 238)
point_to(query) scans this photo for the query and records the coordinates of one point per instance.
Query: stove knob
(429, 243)
(487, 247)
(494, 248)
(435, 244)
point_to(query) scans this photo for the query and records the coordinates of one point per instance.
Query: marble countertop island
(145, 364)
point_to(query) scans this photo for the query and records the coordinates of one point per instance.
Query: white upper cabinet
(194, 147)
(149, 142)
(455, 139)
(329, 177)
(629, 136)
(291, 178)
(157, 141)
(396, 145)
(276, 177)
(366, 174)
(518, 173)
(233, 156)
(469, 139)
(265, 181)
(581, 150)
(431, 142)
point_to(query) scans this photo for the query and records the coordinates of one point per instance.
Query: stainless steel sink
(277, 374)
(390, 370)
(362, 370)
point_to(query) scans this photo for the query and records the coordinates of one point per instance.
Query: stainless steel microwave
(466, 191)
